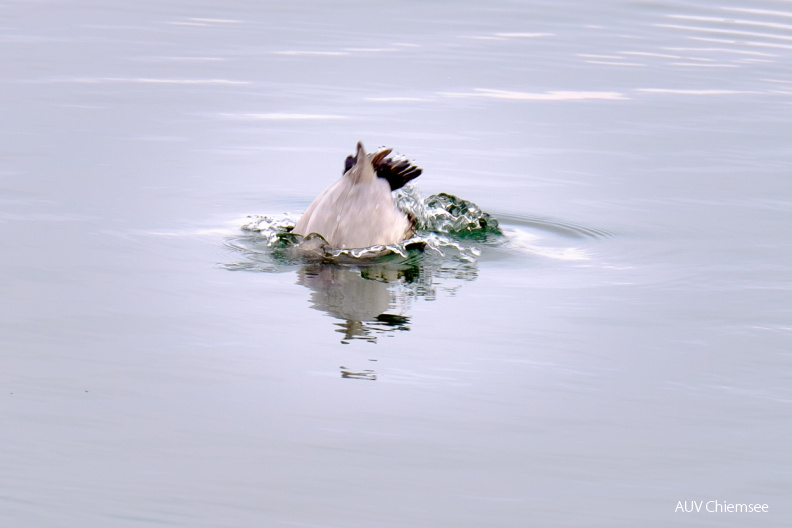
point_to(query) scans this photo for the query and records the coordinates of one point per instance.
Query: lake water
(625, 347)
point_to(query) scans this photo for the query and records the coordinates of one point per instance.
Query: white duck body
(357, 211)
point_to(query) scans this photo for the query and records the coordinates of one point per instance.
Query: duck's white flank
(357, 211)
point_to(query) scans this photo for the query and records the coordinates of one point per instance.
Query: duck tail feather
(398, 172)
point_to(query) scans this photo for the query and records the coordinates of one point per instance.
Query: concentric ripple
(451, 234)
(556, 227)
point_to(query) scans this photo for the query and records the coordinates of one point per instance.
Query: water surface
(625, 348)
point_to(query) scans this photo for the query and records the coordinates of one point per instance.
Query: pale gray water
(629, 348)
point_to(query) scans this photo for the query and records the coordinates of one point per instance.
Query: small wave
(556, 227)
(526, 243)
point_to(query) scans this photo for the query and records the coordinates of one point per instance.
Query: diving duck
(358, 210)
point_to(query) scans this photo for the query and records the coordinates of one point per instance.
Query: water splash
(449, 215)
(445, 227)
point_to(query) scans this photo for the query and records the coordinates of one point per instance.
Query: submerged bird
(358, 210)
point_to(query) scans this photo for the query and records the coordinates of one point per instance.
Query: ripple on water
(556, 227)
(370, 290)
(450, 234)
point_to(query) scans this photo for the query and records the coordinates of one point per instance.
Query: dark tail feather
(398, 172)
(349, 163)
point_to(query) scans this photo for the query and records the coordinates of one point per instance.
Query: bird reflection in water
(369, 302)
(369, 291)
(370, 298)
